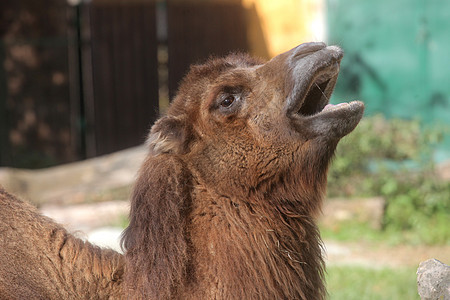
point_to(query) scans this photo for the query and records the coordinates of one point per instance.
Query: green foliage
(394, 159)
(350, 282)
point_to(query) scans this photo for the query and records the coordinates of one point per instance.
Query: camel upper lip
(311, 93)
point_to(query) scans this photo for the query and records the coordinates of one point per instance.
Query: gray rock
(433, 280)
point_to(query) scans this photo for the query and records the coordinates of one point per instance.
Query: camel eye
(228, 101)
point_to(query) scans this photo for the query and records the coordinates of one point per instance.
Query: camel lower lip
(333, 122)
(333, 107)
(330, 108)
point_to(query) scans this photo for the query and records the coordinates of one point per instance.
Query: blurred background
(83, 79)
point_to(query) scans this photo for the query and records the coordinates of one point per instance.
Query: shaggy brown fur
(225, 203)
(40, 260)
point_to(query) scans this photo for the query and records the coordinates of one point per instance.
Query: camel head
(241, 123)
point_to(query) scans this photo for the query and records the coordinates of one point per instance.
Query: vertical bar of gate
(87, 90)
(75, 92)
(4, 124)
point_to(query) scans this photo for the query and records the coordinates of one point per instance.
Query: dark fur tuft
(156, 240)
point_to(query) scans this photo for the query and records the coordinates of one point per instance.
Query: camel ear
(168, 135)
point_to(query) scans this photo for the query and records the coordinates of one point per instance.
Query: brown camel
(225, 203)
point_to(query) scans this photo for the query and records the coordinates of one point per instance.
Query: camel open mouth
(314, 69)
(317, 97)
(313, 94)
(314, 72)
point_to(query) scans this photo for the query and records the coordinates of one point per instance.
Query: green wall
(397, 56)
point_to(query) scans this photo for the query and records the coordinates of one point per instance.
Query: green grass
(350, 231)
(359, 283)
